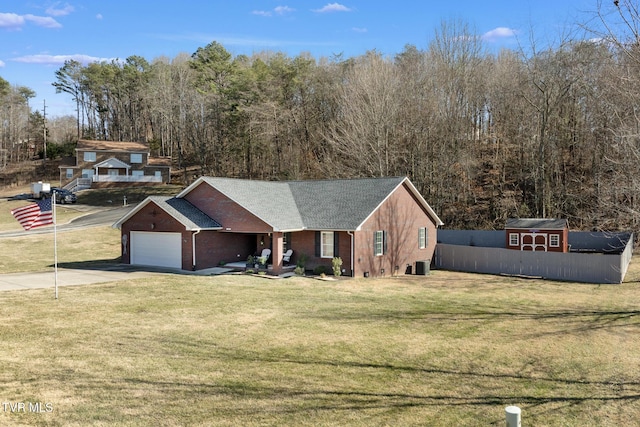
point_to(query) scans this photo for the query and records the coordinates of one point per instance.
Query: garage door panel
(157, 249)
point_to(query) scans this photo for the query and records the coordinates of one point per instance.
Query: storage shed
(537, 234)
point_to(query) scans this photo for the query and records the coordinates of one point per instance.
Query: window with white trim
(514, 239)
(137, 173)
(422, 237)
(326, 244)
(69, 173)
(136, 158)
(378, 243)
(89, 156)
(554, 240)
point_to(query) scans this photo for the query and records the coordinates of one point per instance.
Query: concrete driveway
(68, 277)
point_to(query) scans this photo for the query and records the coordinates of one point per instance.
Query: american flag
(34, 215)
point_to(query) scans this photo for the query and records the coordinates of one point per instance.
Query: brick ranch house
(378, 226)
(109, 163)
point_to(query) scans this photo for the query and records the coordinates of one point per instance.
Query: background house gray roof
(537, 223)
(184, 212)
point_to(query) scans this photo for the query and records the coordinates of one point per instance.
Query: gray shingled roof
(271, 201)
(341, 204)
(338, 204)
(537, 223)
(184, 212)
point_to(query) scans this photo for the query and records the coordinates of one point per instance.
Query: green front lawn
(443, 350)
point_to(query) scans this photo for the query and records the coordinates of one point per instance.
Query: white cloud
(1, 64)
(261, 12)
(55, 10)
(14, 21)
(279, 10)
(333, 7)
(43, 21)
(11, 21)
(499, 33)
(59, 59)
(359, 30)
(99, 16)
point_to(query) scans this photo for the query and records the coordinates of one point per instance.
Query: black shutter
(384, 242)
(335, 244)
(318, 242)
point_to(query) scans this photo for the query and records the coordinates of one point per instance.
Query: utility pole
(44, 127)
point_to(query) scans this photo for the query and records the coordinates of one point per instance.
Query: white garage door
(159, 249)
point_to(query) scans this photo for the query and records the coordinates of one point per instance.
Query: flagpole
(55, 244)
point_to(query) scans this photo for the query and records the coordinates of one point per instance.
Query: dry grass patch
(446, 349)
(35, 252)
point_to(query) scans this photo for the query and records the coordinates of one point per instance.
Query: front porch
(127, 178)
(243, 266)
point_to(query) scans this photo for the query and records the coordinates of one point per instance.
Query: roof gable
(270, 201)
(112, 163)
(340, 204)
(180, 209)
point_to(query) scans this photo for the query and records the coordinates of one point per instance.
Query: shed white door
(159, 249)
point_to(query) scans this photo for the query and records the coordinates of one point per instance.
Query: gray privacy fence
(594, 258)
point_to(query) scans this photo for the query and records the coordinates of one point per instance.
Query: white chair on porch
(287, 256)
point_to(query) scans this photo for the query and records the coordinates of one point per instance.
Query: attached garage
(157, 249)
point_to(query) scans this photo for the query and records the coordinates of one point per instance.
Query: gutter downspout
(352, 236)
(193, 249)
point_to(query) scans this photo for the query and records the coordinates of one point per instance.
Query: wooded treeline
(483, 136)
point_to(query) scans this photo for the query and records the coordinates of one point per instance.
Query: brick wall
(400, 217)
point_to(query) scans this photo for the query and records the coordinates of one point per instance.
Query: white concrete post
(513, 416)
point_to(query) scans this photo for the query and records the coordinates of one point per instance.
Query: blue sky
(37, 36)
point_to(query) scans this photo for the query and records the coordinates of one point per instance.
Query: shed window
(514, 239)
(554, 240)
(422, 237)
(89, 156)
